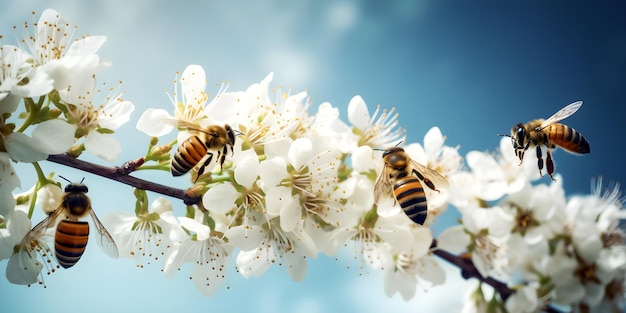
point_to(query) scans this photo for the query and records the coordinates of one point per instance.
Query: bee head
(231, 134)
(519, 137)
(392, 150)
(75, 187)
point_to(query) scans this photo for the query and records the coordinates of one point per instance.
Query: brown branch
(121, 174)
(469, 270)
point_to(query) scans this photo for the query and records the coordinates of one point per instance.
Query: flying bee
(403, 177)
(205, 142)
(71, 234)
(551, 134)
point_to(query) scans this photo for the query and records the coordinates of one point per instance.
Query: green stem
(154, 167)
(33, 113)
(40, 178)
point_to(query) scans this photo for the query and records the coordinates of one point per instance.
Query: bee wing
(562, 113)
(437, 180)
(189, 126)
(383, 185)
(33, 244)
(39, 229)
(105, 241)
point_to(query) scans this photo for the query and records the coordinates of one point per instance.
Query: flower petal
(54, 136)
(22, 148)
(155, 122)
(358, 114)
(247, 169)
(203, 232)
(103, 146)
(221, 197)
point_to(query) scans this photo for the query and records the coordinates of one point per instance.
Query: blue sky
(473, 70)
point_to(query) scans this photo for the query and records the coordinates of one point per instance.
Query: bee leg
(550, 164)
(222, 156)
(539, 159)
(204, 165)
(426, 181)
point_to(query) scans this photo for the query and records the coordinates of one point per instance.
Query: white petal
(155, 122)
(433, 140)
(203, 232)
(103, 146)
(85, 46)
(22, 148)
(453, 240)
(254, 263)
(173, 260)
(246, 170)
(358, 114)
(290, 213)
(276, 198)
(300, 152)
(208, 277)
(245, 238)
(272, 172)
(9, 103)
(363, 160)
(17, 274)
(297, 266)
(434, 273)
(161, 205)
(399, 237)
(221, 198)
(193, 83)
(54, 136)
(117, 113)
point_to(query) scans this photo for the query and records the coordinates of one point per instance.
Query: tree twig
(469, 270)
(121, 174)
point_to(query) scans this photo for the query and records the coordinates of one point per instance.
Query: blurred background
(473, 70)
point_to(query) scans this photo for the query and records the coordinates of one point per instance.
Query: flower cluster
(295, 185)
(549, 249)
(285, 185)
(50, 104)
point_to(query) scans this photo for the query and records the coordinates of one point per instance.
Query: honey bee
(551, 134)
(206, 140)
(403, 177)
(71, 235)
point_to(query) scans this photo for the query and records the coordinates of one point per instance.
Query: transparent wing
(562, 114)
(36, 233)
(33, 244)
(383, 185)
(429, 174)
(189, 126)
(105, 241)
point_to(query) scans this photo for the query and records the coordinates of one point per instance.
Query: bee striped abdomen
(70, 241)
(189, 153)
(412, 199)
(567, 138)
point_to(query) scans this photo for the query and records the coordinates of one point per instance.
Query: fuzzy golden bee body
(71, 234)
(549, 134)
(203, 143)
(403, 178)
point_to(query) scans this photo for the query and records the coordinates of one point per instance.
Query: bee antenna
(67, 180)
(378, 149)
(504, 135)
(82, 180)
(399, 143)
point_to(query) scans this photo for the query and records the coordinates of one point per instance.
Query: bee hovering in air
(551, 134)
(403, 177)
(71, 234)
(204, 142)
